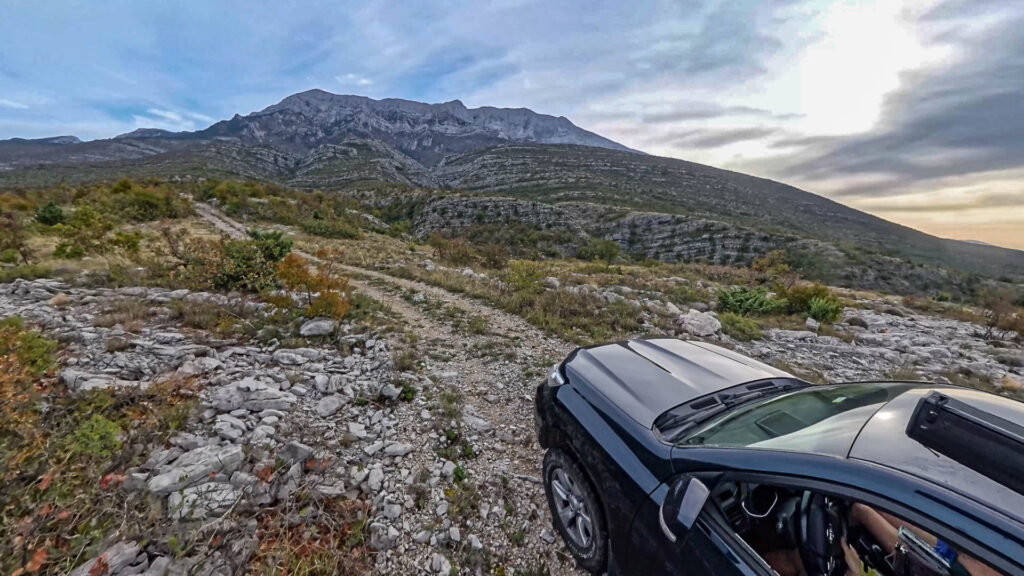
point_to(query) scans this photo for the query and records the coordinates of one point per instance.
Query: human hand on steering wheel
(854, 567)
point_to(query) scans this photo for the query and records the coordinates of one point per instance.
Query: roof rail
(983, 442)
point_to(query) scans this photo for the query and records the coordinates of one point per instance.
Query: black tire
(568, 490)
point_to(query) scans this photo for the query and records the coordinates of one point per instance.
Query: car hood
(645, 378)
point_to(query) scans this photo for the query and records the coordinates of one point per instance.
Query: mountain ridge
(319, 140)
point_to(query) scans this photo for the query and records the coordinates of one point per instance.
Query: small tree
(324, 291)
(14, 238)
(998, 304)
(272, 244)
(439, 243)
(494, 256)
(773, 267)
(605, 250)
(50, 214)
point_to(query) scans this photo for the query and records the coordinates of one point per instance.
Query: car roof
(883, 440)
(646, 377)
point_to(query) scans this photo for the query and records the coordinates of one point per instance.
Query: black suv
(673, 457)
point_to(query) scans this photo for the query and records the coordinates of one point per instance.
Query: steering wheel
(820, 534)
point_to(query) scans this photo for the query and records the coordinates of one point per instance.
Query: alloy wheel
(572, 508)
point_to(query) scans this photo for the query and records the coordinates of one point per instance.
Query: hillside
(317, 140)
(186, 389)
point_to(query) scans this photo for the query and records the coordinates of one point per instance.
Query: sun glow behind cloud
(841, 81)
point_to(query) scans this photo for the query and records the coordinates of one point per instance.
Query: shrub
(14, 238)
(525, 276)
(127, 241)
(272, 244)
(749, 301)
(98, 436)
(241, 265)
(604, 250)
(324, 291)
(800, 297)
(772, 266)
(246, 265)
(740, 327)
(131, 202)
(494, 256)
(333, 228)
(825, 309)
(456, 252)
(83, 233)
(50, 214)
(31, 349)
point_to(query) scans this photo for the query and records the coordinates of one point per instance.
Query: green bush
(604, 250)
(242, 265)
(84, 233)
(25, 272)
(800, 297)
(31, 349)
(740, 327)
(10, 256)
(50, 214)
(127, 241)
(98, 436)
(133, 203)
(272, 244)
(749, 301)
(334, 228)
(825, 309)
(524, 276)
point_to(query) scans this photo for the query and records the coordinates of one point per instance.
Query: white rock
(699, 323)
(116, 558)
(203, 501)
(375, 479)
(196, 465)
(439, 564)
(252, 395)
(318, 327)
(398, 449)
(328, 405)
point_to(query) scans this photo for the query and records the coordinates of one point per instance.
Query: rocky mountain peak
(424, 132)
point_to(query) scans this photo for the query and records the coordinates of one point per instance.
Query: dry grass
(129, 313)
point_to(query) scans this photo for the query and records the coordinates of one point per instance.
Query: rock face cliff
(424, 132)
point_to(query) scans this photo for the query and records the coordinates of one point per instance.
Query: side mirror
(682, 505)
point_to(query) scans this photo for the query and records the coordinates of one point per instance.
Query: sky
(910, 110)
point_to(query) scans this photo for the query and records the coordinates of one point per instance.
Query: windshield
(822, 419)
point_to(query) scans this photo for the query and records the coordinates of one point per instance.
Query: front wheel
(576, 511)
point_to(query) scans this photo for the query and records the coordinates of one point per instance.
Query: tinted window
(821, 419)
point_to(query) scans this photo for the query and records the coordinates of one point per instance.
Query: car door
(710, 546)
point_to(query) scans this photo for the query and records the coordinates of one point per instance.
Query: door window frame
(713, 521)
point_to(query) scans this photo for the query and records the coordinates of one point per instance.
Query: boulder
(328, 405)
(203, 501)
(195, 465)
(295, 356)
(786, 335)
(251, 395)
(318, 327)
(699, 323)
(116, 559)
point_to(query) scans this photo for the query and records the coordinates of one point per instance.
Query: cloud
(712, 138)
(12, 104)
(887, 100)
(965, 116)
(353, 80)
